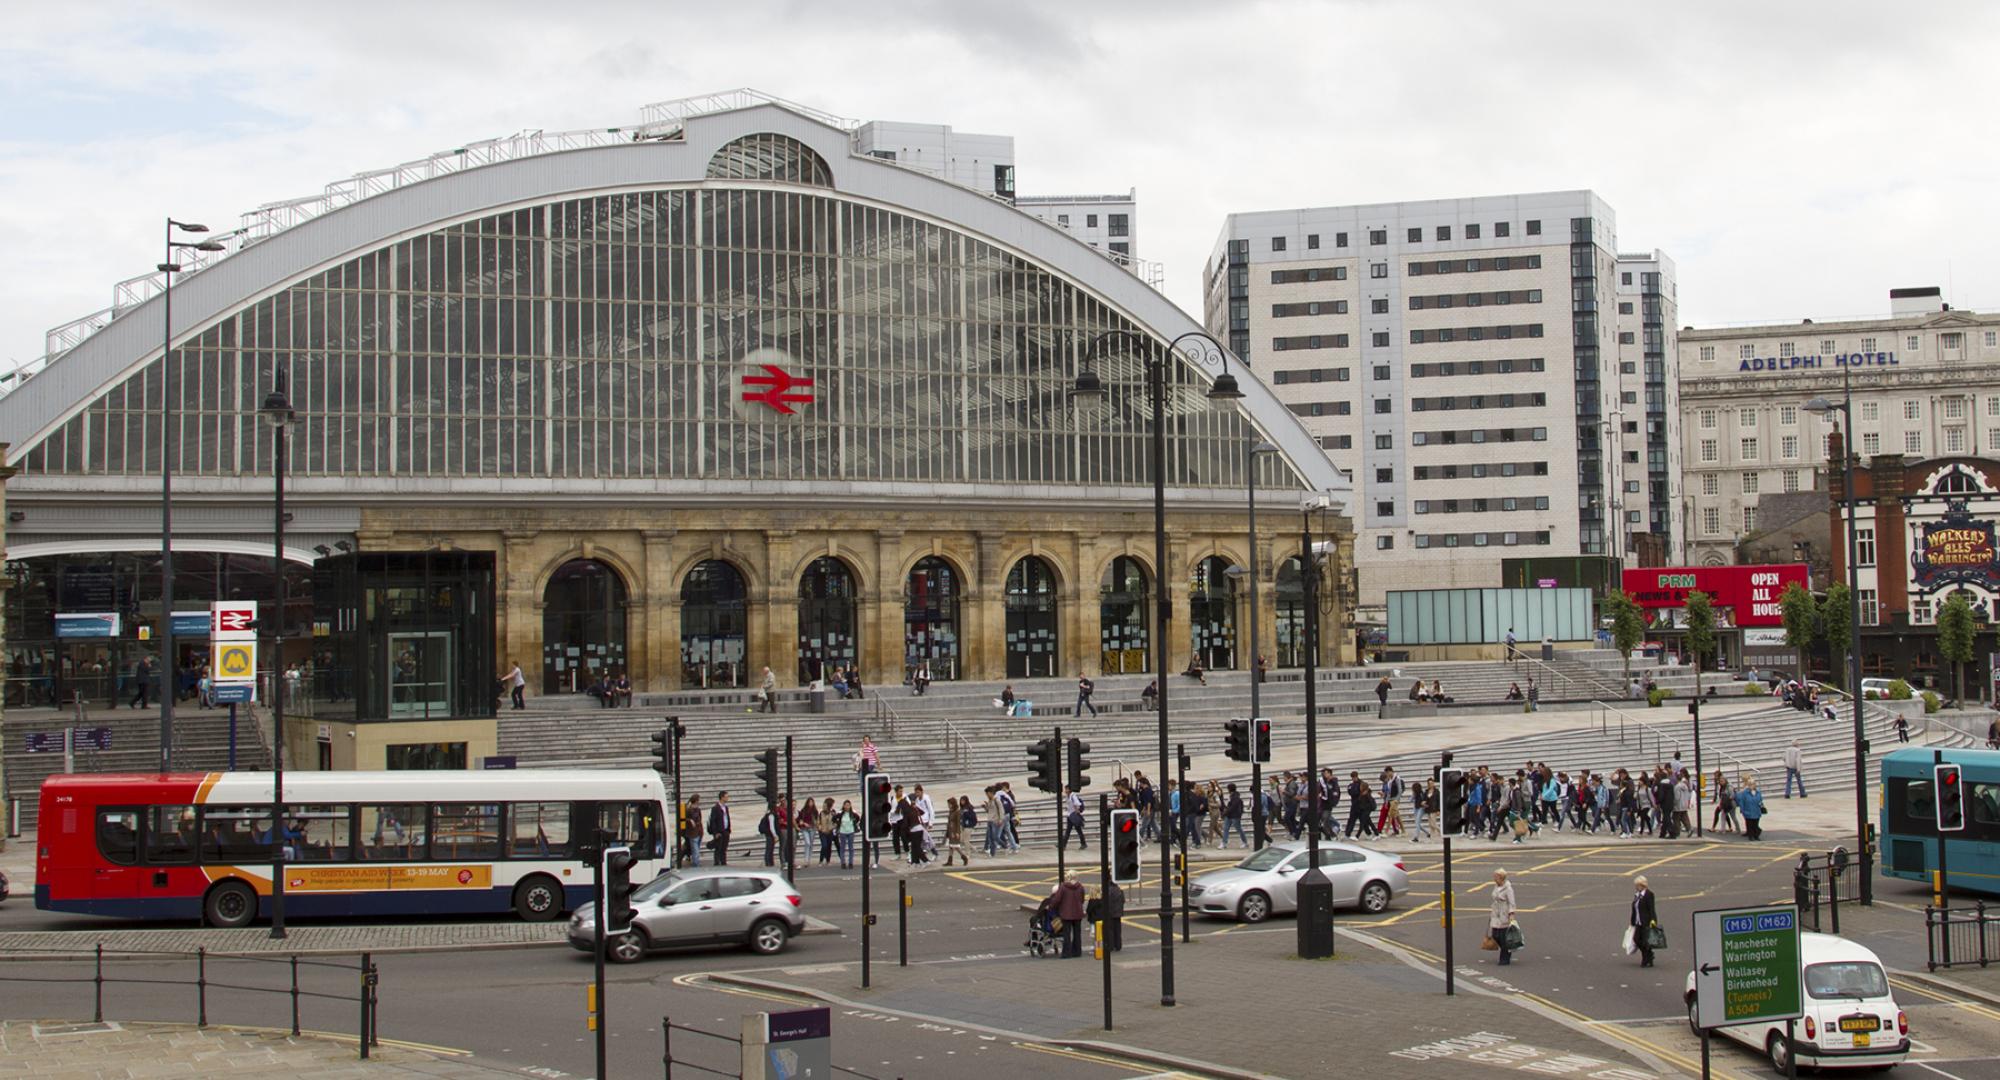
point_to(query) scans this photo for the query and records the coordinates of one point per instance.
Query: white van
(1851, 1020)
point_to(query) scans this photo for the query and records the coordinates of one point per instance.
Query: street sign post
(1746, 968)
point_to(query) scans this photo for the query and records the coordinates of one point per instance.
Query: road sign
(796, 1045)
(91, 738)
(43, 742)
(233, 620)
(1746, 966)
(234, 693)
(235, 661)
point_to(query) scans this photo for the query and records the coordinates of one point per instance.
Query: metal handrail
(1661, 737)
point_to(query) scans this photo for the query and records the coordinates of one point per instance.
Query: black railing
(1959, 936)
(668, 1060)
(213, 972)
(1822, 882)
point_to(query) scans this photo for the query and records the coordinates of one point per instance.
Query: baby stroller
(1044, 930)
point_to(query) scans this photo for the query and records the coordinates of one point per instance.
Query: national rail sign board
(1746, 966)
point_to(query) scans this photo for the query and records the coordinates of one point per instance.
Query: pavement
(310, 939)
(69, 1050)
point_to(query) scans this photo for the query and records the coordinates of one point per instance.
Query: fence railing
(1959, 936)
(217, 972)
(1823, 881)
(1631, 729)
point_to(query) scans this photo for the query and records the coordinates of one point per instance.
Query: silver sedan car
(720, 905)
(1267, 881)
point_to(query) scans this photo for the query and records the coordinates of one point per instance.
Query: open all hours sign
(1746, 966)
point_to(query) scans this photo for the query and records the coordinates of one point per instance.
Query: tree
(1801, 618)
(1955, 632)
(1836, 630)
(1628, 627)
(1700, 632)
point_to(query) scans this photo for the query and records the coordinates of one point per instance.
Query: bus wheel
(538, 899)
(229, 905)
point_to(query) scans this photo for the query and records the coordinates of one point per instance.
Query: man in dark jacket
(718, 828)
(1645, 916)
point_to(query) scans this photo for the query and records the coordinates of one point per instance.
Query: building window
(1708, 452)
(1381, 339)
(1378, 306)
(1920, 611)
(1791, 480)
(1868, 344)
(1385, 476)
(1378, 237)
(1340, 239)
(1746, 418)
(1954, 440)
(1993, 439)
(1277, 242)
(1312, 241)
(1784, 348)
(1864, 547)
(1472, 232)
(1913, 409)
(1711, 483)
(1711, 520)
(1416, 236)
(1118, 225)
(1910, 342)
(1385, 543)
(1870, 614)
(1788, 415)
(1826, 347)
(1627, 337)
(1750, 483)
(1749, 519)
(1746, 351)
(1954, 408)
(1871, 411)
(1385, 442)
(1871, 444)
(1708, 354)
(1378, 270)
(1913, 442)
(1502, 228)
(1534, 227)
(1381, 406)
(1706, 417)
(1747, 449)
(1062, 220)
(1385, 508)
(1788, 447)
(1444, 232)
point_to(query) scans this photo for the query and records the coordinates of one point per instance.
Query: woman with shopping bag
(1501, 933)
(1645, 928)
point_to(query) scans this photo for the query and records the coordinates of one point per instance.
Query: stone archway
(829, 625)
(715, 631)
(1033, 627)
(1212, 614)
(1124, 618)
(583, 625)
(931, 596)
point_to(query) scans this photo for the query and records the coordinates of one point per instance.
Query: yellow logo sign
(236, 660)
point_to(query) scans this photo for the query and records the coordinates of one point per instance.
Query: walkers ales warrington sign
(1956, 549)
(1751, 593)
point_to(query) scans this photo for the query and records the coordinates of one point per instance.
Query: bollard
(367, 1013)
(1833, 896)
(1815, 904)
(902, 923)
(97, 1011)
(201, 986)
(295, 994)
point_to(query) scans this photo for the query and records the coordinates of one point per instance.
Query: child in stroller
(1044, 930)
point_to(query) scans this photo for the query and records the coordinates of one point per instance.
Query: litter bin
(817, 700)
(1548, 651)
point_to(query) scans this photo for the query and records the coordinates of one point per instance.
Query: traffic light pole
(1062, 842)
(1450, 986)
(1943, 870)
(1694, 708)
(867, 860)
(1104, 896)
(791, 820)
(1180, 769)
(597, 990)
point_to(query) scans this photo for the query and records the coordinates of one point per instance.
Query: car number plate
(1860, 1023)
(1860, 1039)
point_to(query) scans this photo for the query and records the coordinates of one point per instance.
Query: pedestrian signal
(1125, 847)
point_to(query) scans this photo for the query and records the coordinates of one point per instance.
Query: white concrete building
(1926, 383)
(1460, 359)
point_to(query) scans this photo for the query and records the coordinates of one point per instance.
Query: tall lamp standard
(1251, 450)
(169, 444)
(277, 412)
(1315, 888)
(1089, 394)
(1845, 407)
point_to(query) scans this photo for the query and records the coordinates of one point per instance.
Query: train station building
(679, 401)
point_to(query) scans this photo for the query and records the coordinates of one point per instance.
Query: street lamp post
(1315, 888)
(1252, 448)
(1822, 406)
(277, 412)
(169, 444)
(1089, 393)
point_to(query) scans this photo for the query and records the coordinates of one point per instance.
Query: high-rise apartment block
(1492, 374)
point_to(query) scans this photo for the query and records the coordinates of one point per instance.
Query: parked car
(719, 905)
(1266, 882)
(1851, 1018)
(3, 885)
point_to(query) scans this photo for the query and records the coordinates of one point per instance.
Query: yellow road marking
(1080, 1055)
(1671, 858)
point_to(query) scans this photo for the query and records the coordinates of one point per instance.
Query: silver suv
(1267, 881)
(705, 906)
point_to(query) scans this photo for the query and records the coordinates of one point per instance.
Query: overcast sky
(1796, 159)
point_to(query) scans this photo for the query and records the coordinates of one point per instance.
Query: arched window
(1123, 619)
(827, 628)
(930, 618)
(1291, 614)
(714, 626)
(765, 156)
(1031, 620)
(1212, 614)
(583, 626)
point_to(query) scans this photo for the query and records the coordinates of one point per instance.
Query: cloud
(1796, 160)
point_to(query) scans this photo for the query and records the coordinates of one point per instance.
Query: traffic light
(1451, 800)
(1044, 771)
(877, 805)
(663, 751)
(1950, 799)
(1125, 847)
(767, 776)
(1078, 778)
(1236, 734)
(1180, 868)
(1260, 741)
(617, 911)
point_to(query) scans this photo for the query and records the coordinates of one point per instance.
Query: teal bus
(1909, 818)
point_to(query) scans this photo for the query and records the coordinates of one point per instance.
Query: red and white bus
(199, 845)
